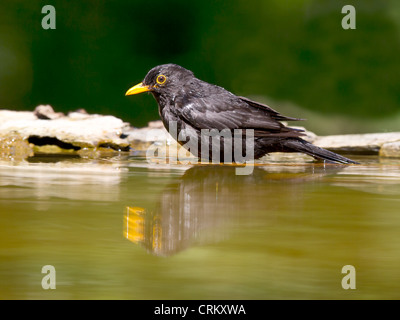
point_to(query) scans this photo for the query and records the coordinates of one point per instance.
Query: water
(119, 228)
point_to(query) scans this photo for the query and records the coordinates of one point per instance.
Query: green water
(119, 228)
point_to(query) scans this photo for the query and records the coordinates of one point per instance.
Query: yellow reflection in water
(134, 224)
(141, 228)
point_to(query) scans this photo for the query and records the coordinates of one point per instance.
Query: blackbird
(195, 105)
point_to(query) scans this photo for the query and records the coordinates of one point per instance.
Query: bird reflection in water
(210, 201)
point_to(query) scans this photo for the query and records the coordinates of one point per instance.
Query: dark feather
(275, 114)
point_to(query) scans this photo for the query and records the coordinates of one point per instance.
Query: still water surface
(122, 229)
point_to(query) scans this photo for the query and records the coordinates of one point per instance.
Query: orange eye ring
(161, 79)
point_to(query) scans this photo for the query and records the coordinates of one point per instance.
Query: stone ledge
(45, 131)
(390, 150)
(369, 143)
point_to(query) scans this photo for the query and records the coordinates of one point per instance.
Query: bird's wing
(220, 112)
(275, 114)
(232, 112)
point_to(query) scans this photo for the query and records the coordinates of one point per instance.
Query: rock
(156, 124)
(75, 131)
(81, 111)
(52, 149)
(369, 143)
(390, 150)
(152, 135)
(46, 112)
(148, 134)
(15, 148)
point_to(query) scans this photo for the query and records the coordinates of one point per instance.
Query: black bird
(194, 105)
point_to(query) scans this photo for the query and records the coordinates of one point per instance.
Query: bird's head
(166, 79)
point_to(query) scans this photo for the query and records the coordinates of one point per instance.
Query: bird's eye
(161, 79)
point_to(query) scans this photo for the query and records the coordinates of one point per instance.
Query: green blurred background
(292, 54)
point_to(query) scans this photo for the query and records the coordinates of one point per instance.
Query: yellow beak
(139, 88)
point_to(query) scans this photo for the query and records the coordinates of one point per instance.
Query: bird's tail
(300, 145)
